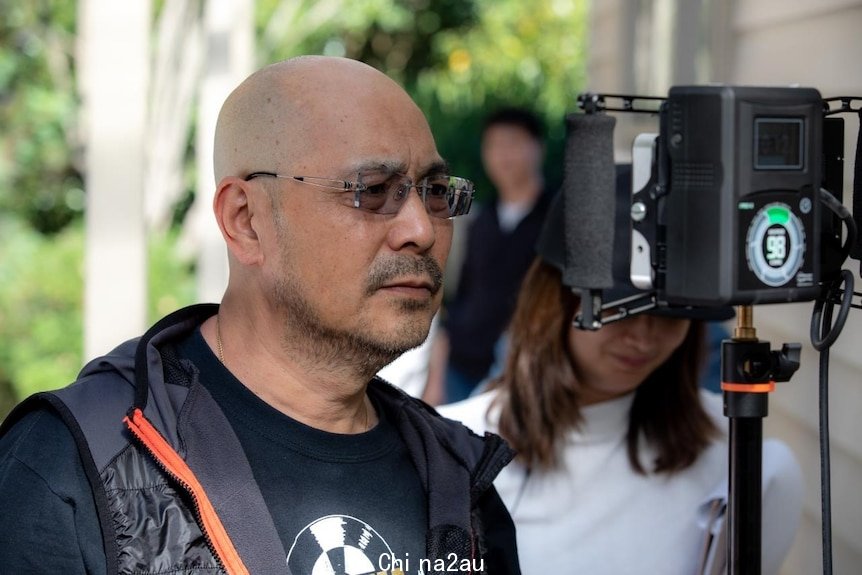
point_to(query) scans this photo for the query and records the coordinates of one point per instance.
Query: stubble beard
(362, 350)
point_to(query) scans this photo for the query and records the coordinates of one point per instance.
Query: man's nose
(412, 225)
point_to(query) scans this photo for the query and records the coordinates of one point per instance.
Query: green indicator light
(778, 215)
(746, 205)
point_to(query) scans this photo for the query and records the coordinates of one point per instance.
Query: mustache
(400, 266)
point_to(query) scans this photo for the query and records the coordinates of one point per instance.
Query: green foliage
(41, 281)
(396, 36)
(41, 302)
(170, 276)
(39, 179)
(524, 53)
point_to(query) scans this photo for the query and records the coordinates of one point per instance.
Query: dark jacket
(175, 492)
(495, 263)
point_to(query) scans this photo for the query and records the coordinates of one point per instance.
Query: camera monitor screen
(778, 144)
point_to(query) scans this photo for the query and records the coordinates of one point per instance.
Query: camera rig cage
(727, 209)
(726, 198)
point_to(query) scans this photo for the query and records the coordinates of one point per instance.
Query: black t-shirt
(347, 502)
(350, 501)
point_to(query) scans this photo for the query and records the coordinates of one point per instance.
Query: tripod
(749, 370)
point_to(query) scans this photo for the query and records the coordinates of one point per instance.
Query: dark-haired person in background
(622, 459)
(499, 248)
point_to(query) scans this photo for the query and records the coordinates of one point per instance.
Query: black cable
(823, 334)
(842, 212)
(823, 331)
(825, 458)
(822, 318)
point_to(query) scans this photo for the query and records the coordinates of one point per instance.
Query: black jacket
(494, 266)
(175, 493)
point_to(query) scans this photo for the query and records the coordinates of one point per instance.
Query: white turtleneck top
(595, 515)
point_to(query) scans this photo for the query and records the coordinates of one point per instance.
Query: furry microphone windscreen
(589, 201)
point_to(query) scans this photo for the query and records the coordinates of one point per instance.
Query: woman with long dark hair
(622, 458)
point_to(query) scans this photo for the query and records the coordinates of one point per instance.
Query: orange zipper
(211, 525)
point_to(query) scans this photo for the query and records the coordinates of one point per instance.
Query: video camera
(737, 200)
(727, 198)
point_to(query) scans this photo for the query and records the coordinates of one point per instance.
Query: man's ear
(234, 211)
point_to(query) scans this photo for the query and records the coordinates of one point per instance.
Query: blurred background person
(499, 247)
(622, 459)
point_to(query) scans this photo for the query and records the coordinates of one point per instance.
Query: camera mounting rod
(591, 103)
(846, 105)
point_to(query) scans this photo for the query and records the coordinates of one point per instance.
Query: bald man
(252, 436)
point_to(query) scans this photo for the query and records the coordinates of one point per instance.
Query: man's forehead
(433, 165)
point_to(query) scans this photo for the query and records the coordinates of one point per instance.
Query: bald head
(306, 107)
